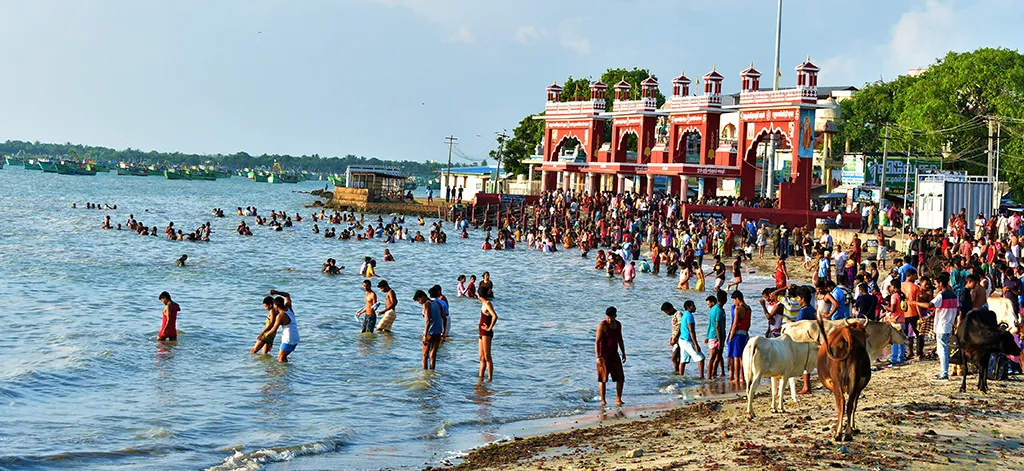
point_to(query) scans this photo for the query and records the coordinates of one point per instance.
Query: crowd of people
(943, 274)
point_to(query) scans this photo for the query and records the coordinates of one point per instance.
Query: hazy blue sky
(391, 78)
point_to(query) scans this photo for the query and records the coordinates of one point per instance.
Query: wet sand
(906, 421)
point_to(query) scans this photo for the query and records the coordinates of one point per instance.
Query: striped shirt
(946, 305)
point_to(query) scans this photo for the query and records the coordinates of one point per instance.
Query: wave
(253, 460)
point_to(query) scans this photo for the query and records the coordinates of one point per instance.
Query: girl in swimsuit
(486, 330)
(460, 290)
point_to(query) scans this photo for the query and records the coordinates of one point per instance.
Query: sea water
(84, 383)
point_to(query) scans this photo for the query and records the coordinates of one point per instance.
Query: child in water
(460, 290)
(168, 326)
(471, 287)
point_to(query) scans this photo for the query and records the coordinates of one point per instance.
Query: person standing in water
(607, 343)
(486, 288)
(433, 328)
(285, 320)
(390, 303)
(169, 323)
(265, 340)
(738, 337)
(486, 330)
(369, 308)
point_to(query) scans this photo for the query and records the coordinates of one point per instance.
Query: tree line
(238, 160)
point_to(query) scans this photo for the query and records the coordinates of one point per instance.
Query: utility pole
(885, 167)
(502, 137)
(770, 161)
(991, 154)
(451, 142)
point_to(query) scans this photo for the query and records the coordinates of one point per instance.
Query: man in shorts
(390, 302)
(715, 335)
(607, 343)
(719, 271)
(369, 309)
(433, 328)
(684, 337)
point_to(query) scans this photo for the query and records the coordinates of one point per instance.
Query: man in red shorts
(606, 346)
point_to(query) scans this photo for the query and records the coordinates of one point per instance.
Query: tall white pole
(778, 38)
(770, 164)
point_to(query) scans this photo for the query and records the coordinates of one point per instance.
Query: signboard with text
(899, 171)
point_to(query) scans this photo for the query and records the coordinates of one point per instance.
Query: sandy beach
(905, 421)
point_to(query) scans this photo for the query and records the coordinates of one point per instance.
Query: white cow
(1004, 313)
(880, 334)
(780, 358)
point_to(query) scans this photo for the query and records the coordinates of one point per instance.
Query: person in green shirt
(716, 332)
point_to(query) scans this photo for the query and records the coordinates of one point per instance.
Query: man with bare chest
(369, 310)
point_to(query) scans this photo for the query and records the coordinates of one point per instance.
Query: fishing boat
(72, 168)
(200, 174)
(222, 173)
(31, 164)
(258, 176)
(97, 167)
(132, 170)
(14, 161)
(47, 166)
(174, 175)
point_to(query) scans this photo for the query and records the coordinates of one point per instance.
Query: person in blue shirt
(903, 269)
(715, 336)
(842, 309)
(684, 337)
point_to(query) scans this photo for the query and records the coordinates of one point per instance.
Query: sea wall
(356, 198)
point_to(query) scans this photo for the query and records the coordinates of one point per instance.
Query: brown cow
(845, 369)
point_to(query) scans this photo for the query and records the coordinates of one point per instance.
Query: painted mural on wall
(806, 138)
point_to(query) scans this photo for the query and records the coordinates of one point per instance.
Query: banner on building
(899, 172)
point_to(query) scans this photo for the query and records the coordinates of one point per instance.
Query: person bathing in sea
(285, 320)
(629, 273)
(737, 273)
(169, 322)
(460, 289)
(181, 261)
(390, 303)
(471, 287)
(433, 327)
(607, 343)
(486, 288)
(387, 256)
(486, 330)
(265, 340)
(369, 309)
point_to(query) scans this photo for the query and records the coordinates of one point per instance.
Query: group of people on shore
(944, 274)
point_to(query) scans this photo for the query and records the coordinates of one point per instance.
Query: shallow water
(83, 383)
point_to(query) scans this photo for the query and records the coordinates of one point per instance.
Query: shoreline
(905, 420)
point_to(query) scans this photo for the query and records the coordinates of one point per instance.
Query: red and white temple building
(684, 139)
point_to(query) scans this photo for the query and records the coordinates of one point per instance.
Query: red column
(710, 186)
(748, 169)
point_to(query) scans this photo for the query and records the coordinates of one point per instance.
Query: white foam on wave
(253, 460)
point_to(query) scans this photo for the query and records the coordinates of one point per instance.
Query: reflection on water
(91, 295)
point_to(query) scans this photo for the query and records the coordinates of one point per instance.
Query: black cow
(978, 337)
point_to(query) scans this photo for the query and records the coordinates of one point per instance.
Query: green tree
(946, 110)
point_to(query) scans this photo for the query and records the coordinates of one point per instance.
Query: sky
(392, 78)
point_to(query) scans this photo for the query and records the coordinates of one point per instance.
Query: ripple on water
(88, 356)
